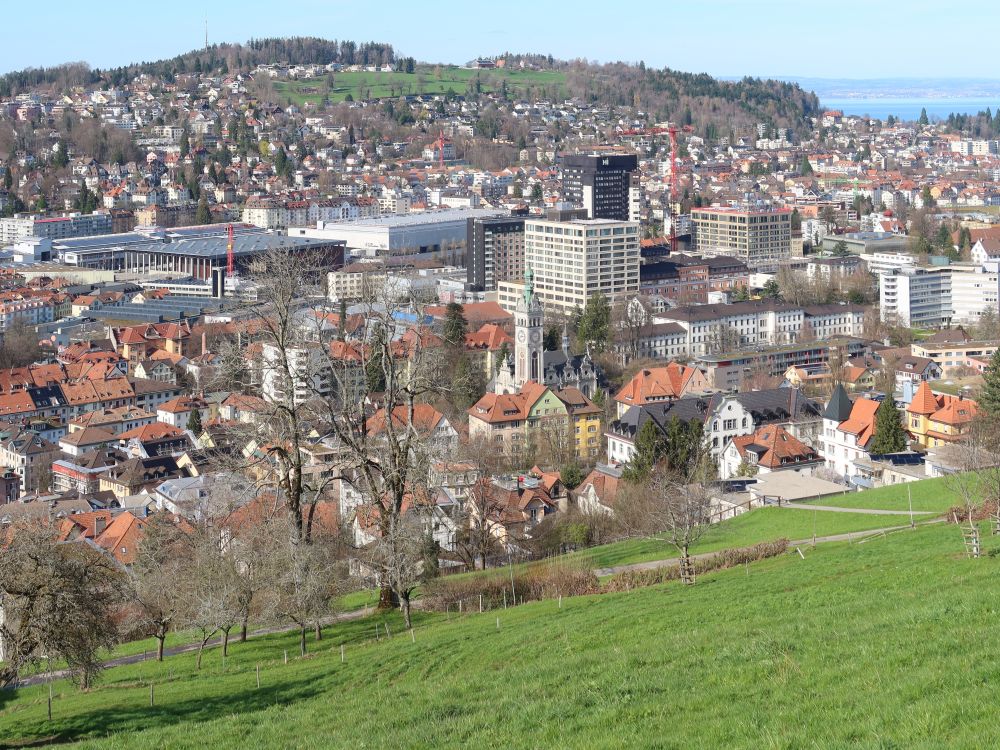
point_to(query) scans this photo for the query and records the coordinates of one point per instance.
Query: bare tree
(669, 508)
(633, 319)
(58, 601)
(304, 580)
(157, 600)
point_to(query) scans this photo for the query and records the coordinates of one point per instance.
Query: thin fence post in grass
(459, 606)
(151, 700)
(387, 633)
(498, 623)
(341, 653)
(505, 598)
(413, 638)
(560, 601)
(800, 553)
(258, 675)
(50, 699)
(376, 632)
(286, 656)
(480, 604)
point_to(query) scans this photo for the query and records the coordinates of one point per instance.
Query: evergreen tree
(805, 168)
(194, 422)
(989, 396)
(595, 323)
(923, 117)
(8, 178)
(536, 192)
(649, 449)
(455, 325)
(771, 290)
(889, 434)
(553, 339)
(203, 215)
(185, 143)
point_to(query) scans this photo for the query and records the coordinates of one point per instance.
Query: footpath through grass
(887, 643)
(928, 495)
(760, 525)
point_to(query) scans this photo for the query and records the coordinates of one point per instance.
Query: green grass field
(932, 495)
(426, 80)
(884, 644)
(761, 525)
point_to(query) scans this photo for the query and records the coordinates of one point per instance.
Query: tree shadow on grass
(100, 723)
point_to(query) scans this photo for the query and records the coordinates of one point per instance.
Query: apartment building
(494, 251)
(916, 297)
(572, 260)
(938, 296)
(601, 184)
(760, 238)
(712, 329)
(15, 228)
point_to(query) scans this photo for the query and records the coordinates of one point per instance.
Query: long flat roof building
(441, 232)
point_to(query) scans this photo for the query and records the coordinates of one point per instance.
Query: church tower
(528, 335)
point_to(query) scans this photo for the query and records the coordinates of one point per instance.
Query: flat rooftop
(414, 220)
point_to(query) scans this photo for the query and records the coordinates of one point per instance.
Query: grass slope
(424, 81)
(882, 644)
(928, 495)
(761, 525)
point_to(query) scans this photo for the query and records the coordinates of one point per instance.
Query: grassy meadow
(886, 643)
(426, 80)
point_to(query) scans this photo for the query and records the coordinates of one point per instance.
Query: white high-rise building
(572, 260)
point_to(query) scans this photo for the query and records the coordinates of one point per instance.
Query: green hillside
(886, 643)
(426, 80)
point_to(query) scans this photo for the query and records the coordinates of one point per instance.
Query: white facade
(572, 260)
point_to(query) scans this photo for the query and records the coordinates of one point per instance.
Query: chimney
(99, 525)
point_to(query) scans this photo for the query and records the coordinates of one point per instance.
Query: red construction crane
(674, 213)
(229, 251)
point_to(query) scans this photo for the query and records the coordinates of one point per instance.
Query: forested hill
(222, 58)
(712, 106)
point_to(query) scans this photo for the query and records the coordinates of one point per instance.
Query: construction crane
(673, 130)
(441, 149)
(229, 251)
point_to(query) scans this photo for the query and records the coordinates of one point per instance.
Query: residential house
(935, 419)
(770, 448)
(660, 384)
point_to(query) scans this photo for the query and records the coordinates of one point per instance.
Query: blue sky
(844, 39)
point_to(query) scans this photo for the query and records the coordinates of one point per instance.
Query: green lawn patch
(928, 495)
(426, 80)
(888, 643)
(760, 525)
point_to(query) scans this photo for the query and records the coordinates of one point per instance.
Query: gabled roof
(656, 384)
(861, 421)
(775, 447)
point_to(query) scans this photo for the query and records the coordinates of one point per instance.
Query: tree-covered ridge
(216, 57)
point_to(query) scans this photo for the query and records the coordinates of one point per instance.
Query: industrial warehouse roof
(170, 308)
(413, 220)
(245, 242)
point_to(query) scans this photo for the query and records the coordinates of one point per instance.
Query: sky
(779, 38)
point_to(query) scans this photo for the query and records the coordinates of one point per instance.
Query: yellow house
(858, 378)
(938, 419)
(584, 422)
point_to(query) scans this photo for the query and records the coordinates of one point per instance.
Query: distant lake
(908, 108)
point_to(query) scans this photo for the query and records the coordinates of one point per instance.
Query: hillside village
(276, 342)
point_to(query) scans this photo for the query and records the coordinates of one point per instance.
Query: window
(729, 424)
